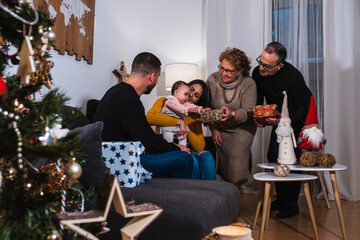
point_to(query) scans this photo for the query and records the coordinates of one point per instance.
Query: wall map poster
(73, 27)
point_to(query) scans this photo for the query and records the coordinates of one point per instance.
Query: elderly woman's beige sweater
(234, 154)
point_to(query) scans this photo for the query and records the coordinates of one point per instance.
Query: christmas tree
(38, 154)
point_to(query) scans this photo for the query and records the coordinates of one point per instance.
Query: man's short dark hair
(278, 49)
(145, 63)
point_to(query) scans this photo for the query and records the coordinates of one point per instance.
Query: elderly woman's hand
(216, 136)
(226, 115)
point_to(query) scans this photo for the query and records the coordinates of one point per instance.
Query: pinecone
(317, 155)
(307, 159)
(327, 160)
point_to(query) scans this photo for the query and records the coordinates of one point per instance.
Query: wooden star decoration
(143, 214)
(121, 73)
(26, 64)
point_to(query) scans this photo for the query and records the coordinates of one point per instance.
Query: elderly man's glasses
(265, 66)
(227, 71)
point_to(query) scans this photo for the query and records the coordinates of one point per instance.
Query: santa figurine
(285, 137)
(311, 138)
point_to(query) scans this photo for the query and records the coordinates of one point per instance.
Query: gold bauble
(73, 169)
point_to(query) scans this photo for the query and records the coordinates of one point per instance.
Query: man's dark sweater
(288, 79)
(124, 119)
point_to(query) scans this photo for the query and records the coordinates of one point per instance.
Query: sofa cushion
(192, 208)
(94, 168)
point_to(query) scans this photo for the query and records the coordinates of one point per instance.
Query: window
(298, 26)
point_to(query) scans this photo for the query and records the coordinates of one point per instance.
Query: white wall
(170, 29)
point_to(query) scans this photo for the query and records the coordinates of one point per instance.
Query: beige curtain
(341, 91)
(244, 24)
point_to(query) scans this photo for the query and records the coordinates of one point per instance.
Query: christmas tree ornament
(56, 132)
(281, 170)
(327, 160)
(42, 66)
(51, 35)
(54, 182)
(26, 65)
(307, 159)
(27, 186)
(55, 235)
(3, 88)
(40, 29)
(1, 40)
(285, 136)
(73, 170)
(46, 139)
(10, 173)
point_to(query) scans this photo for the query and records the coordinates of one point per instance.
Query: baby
(178, 106)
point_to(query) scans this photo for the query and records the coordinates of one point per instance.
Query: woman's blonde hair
(237, 58)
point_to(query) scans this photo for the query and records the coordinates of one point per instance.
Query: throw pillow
(94, 169)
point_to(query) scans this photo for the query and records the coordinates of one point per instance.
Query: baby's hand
(192, 110)
(202, 111)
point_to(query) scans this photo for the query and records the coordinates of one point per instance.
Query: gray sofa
(191, 207)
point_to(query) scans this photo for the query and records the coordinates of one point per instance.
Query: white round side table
(269, 178)
(332, 171)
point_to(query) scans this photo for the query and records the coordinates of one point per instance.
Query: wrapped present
(212, 115)
(123, 160)
(264, 111)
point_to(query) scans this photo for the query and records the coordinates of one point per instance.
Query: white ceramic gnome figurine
(285, 137)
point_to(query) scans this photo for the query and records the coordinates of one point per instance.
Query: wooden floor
(299, 227)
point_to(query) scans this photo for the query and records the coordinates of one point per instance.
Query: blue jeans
(204, 166)
(175, 164)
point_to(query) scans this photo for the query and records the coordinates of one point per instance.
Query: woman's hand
(183, 131)
(216, 136)
(183, 148)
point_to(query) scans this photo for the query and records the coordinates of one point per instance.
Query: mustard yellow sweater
(195, 135)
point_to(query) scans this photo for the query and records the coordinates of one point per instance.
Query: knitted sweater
(288, 79)
(195, 135)
(123, 115)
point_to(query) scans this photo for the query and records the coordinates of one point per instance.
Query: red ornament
(3, 88)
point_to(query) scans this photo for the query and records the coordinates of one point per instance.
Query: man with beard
(124, 119)
(273, 76)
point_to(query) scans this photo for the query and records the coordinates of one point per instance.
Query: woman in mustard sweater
(204, 164)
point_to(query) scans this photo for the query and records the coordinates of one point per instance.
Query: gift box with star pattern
(123, 160)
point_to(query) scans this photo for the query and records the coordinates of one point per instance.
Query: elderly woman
(233, 90)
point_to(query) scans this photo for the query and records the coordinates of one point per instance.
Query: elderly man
(273, 76)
